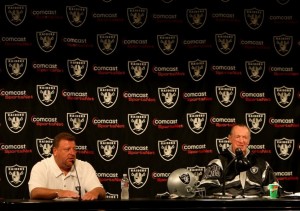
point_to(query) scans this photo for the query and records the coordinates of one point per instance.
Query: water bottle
(125, 187)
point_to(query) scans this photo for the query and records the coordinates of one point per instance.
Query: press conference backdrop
(147, 87)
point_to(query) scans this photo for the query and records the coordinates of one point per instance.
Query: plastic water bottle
(125, 187)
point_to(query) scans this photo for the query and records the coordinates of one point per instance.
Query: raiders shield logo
(107, 95)
(138, 176)
(196, 17)
(15, 121)
(222, 144)
(77, 121)
(197, 171)
(107, 43)
(109, 195)
(16, 67)
(255, 69)
(225, 42)
(138, 122)
(138, 70)
(44, 147)
(197, 69)
(167, 43)
(284, 96)
(196, 121)
(225, 95)
(46, 40)
(284, 148)
(167, 149)
(47, 93)
(283, 44)
(107, 149)
(168, 96)
(15, 13)
(255, 121)
(15, 175)
(254, 18)
(77, 68)
(76, 15)
(137, 16)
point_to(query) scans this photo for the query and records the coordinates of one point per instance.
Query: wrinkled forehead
(66, 143)
(240, 131)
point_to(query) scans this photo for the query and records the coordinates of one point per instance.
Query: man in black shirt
(243, 173)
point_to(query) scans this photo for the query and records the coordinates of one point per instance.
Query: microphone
(78, 188)
(241, 164)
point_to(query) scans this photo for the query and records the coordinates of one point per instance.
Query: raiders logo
(225, 42)
(197, 69)
(109, 195)
(283, 44)
(196, 17)
(76, 15)
(185, 178)
(107, 43)
(107, 149)
(167, 43)
(196, 121)
(47, 93)
(77, 68)
(46, 40)
(284, 148)
(222, 144)
(16, 67)
(15, 121)
(255, 69)
(284, 96)
(254, 18)
(107, 95)
(44, 146)
(197, 171)
(225, 95)
(138, 70)
(77, 121)
(254, 169)
(138, 176)
(168, 96)
(255, 121)
(167, 149)
(15, 175)
(15, 13)
(138, 122)
(137, 16)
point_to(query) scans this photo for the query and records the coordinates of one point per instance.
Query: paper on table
(65, 199)
(294, 194)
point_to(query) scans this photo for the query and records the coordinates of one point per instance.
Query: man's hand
(89, 196)
(67, 194)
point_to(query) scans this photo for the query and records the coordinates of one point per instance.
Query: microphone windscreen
(238, 153)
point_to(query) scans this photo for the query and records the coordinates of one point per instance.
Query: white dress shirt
(47, 174)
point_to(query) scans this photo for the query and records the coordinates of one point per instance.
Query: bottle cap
(124, 174)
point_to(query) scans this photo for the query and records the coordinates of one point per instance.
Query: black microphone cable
(79, 186)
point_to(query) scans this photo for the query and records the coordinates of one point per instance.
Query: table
(153, 204)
